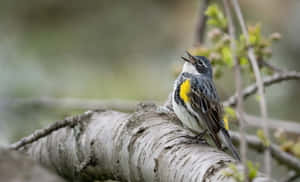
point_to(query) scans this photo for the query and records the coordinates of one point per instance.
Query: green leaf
(255, 34)
(216, 16)
(212, 10)
(213, 22)
(252, 170)
(227, 56)
(296, 149)
(230, 112)
(261, 135)
(244, 61)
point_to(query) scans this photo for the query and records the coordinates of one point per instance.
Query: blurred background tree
(119, 50)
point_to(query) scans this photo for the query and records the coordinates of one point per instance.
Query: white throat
(189, 68)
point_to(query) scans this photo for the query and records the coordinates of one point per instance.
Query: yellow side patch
(185, 89)
(226, 123)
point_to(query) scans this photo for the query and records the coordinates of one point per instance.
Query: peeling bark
(148, 145)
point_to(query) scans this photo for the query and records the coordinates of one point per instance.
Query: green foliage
(230, 112)
(218, 49)
(287, 144)
(234, 173)
(216, 17)
(261, 135)
(296, 149)
(227, 56)
(239, 176)
(252, 170)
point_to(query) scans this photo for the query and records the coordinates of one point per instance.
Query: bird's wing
(205, 101)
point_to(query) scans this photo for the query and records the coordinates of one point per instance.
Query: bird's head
(198, 65)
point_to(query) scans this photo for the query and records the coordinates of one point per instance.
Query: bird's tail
(225, 137)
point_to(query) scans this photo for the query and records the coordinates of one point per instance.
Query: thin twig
(52, 127)
(201, 23)
(272, 67)
(275, 78)
(259, 82)
(75, 103)
(238, 84)
(281, 156)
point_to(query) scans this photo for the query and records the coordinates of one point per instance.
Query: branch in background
(201, 23)
(275, 78)
(74, 103)
(281, 156)
(287, 126)
(272, 67)
(130, 105)
(238, 85)
(259, 82)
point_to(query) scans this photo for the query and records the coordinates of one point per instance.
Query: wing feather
(205, 101)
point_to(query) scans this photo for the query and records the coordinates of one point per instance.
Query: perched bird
(196, 102)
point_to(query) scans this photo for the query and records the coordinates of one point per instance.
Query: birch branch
(144, 146)
(281, 156)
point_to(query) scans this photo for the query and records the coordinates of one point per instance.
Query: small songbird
(196, 102)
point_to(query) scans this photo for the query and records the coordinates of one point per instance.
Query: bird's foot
(198, 139)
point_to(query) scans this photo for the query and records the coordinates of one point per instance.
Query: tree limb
(281, 156)
(268, 81)
(288, 126)
(75, 103)
(143, 146)
(201, 23)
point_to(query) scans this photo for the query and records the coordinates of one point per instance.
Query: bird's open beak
(191, 58)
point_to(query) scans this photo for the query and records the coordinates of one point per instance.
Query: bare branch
(268, 81)
(281, 156)
(272, 67)
(288, 126)
(201, 23)
(259, 82)
(238, 85)
(75, 103)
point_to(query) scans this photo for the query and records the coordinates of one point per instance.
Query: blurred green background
(119, 50)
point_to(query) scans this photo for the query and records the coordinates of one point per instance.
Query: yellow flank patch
(226, 124)
(185, 89)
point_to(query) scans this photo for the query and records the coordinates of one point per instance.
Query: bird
(196, 103)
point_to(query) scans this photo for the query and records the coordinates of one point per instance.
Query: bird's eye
(201, 64)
